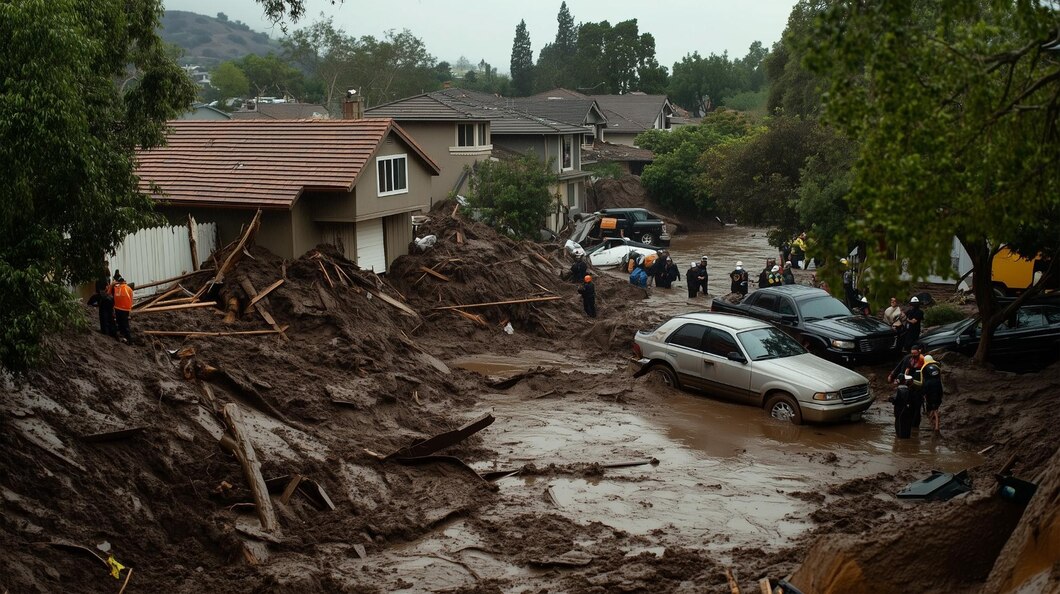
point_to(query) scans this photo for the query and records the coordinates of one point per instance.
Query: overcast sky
(484, 29)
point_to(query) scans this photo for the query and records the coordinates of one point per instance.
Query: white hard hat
(843, 261)
(775, 269)
(915, 299)
(739, 264)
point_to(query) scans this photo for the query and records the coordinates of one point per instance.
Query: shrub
(943, 313)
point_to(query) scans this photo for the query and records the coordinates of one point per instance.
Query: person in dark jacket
(105, 302)
(588, 293)
(763, 277)
(692, 278)
(788, 277)
(665, 278)
(579, 268)
(738, 278)
(907, 375)
(931, 384)
(703, 276)
(914, 318)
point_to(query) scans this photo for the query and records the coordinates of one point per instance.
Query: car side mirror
(789, 319)
(734, 356)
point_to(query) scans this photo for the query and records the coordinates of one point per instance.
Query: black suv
(637, 224)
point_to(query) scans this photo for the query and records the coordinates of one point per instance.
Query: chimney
(352, 106)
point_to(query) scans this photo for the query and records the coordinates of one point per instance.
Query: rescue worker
(639, 277)
(931, 378)
(123, 302)
(763, 277)
(669, 273)
(588, 293)
(692, 278)
(774, 279)
(908, 398)
(702, 276)
(739, 279)
(914, 317)
(579, 268)
(850, 293)
(798, 250)
(105, 302)
(788, 277)
(863, 306)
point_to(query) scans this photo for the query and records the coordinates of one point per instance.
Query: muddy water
(500, 366)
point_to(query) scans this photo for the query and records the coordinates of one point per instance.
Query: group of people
(907, 323)
(774, 275)
(794, 251)
(919, 380)
(114, 298)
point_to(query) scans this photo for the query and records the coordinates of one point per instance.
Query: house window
(483, 134)
(392, 173)
(568, 152)
(572, 195)
(465, 135)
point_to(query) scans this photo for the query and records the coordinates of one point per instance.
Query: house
(627, 115)
(201, 111)
(458, 116)
(350, 183)
(260, 110)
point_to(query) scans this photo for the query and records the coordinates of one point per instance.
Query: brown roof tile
(263, 163)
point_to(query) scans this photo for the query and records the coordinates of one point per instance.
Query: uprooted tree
(85, 83)
(955, 106)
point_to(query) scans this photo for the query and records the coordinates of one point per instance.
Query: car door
(686, 347)
(1012, 342)
(727, 378)
(765, 308)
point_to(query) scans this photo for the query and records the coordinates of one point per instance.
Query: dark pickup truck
(822, 323)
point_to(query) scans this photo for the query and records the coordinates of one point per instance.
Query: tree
(522, 65)
(793, 89)
(326, 54)
(955, 107)
(230, 81)
(514, 195)
(555, 63)
(69, 126)
(269, 75)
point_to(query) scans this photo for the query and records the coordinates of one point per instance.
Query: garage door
(371, 251)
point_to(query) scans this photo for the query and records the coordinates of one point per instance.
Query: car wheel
(784, 408)
(662, 373)
(647, 239)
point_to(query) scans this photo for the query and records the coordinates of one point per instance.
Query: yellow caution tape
(115, 567)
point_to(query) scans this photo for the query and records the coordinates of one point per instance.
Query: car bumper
(848, 357)
(815, 412)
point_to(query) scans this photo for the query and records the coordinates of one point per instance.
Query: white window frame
(379, 180)
(562, 147)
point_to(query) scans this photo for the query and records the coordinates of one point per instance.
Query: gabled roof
(632, 112)
(263, 163)
(283, 111)
(463, 104)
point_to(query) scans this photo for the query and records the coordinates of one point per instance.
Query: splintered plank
(206, 333)
(264, 293)
(435, 274)
(174, 307)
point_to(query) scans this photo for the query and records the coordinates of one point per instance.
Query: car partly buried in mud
(750, 361)
(1029, 340)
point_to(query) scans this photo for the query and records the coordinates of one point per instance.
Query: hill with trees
(208, 41)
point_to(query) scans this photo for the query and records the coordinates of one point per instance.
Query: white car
(750, 361)
(613, 251)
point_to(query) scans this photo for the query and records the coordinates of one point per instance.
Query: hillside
(207, 40)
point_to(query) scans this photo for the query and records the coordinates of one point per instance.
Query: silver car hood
(812, 372)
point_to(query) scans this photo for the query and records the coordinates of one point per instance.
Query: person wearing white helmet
(775, 279)
(931, 378)
(914, 318)
(739, 278)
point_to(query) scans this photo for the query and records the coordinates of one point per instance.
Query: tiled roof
(632, 112)
(458, 104)
(607, 151)
(561, 93)
(283, 111)
(263, 163)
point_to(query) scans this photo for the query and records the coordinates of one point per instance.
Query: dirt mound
(627, 192)
(472, 264)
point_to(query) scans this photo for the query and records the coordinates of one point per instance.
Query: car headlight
(826, 396)
(843, 344)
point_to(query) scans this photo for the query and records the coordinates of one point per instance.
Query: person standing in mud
(579, 268)
(931, 384)
(788, 277)
(913, 319)
(692, 278)
(738, 278)
(702, 277)
(763, 277)
(908, 394)
(669, 273)
(588, 293)
(123, 302)
(105, 302)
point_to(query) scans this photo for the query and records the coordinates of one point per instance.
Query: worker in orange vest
(123, 302)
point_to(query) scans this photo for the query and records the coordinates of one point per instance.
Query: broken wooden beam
(288, 491)
(238, 249)
(508, 302)
(251, 292)
(734, 587)
(327, 277)
(208, 333)
(174, 307)
(244, 452)
(193, 242)
(139, 287)
(473, 317)
(435, 274)
(264, 293)
(441, 441)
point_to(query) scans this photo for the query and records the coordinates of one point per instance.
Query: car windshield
(823, 308)
(769, 343)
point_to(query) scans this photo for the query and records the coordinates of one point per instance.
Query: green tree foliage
(598, 58)
(522, 63)
(230, 81)
(271, 76)
(326, 55)
(955, 107)
(555, 64)
(700, 84)
(676, 178)
(486, 79)
(514, 196)
(793, 89)
(70, 119)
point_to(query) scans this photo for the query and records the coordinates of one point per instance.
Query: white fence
(159, 253)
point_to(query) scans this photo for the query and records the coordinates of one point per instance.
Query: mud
(730, 488)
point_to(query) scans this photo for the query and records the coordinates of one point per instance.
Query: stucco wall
(370, 205)
(274, 233)
(436, 138)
